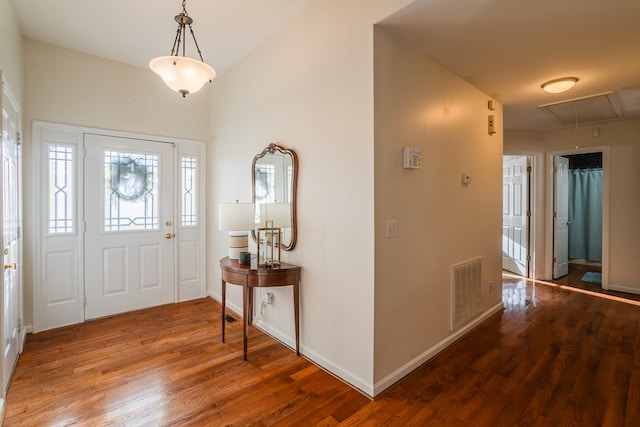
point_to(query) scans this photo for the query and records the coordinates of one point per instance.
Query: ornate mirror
(274, 179)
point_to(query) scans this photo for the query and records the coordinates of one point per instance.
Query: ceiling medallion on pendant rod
(183, 74)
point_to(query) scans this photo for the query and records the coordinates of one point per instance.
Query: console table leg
(245, 315)
(224, 306)
(296, 310)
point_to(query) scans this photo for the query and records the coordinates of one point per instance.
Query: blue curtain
(585, 214)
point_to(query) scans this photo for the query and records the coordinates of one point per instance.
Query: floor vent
(229, 318)
(466, 291)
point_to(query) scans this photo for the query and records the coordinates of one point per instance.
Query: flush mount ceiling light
(183, 74)
(559, 85)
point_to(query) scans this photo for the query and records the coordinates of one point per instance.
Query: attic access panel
(588, 109)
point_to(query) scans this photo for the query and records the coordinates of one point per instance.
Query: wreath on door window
(128, 179)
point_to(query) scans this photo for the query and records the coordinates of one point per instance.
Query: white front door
(561, 217)
(129, 245)
(10, 239)
(514, 214)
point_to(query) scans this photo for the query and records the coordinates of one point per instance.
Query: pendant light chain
(184, 10)
(196, 43)
(176, 42)
(180, 34)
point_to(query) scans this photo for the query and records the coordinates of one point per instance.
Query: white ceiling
(506, 48)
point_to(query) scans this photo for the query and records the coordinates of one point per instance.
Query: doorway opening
(516, 214)
(578, 218)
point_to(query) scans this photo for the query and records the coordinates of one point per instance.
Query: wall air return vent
(466, 292)
(587, 109)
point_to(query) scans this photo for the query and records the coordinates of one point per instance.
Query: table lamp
(237, 219)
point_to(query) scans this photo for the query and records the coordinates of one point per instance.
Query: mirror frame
(271, 149)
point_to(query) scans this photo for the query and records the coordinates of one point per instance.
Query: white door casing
(514, 216)
(60, 265)
(129, 215)
(11, 240)
(561, 217)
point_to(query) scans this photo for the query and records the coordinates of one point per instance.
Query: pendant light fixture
(183, 74)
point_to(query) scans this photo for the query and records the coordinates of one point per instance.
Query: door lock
(11, 266)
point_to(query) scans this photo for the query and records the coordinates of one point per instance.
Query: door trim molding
(604, 149)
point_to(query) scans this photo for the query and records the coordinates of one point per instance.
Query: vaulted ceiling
(506, 48)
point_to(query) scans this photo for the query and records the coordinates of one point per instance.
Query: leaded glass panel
(131, 191)
(61, 191)
(189, 170)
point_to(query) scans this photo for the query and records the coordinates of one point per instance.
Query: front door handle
(11, 266)
(168, 235)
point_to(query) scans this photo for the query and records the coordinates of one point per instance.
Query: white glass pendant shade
(182, 74)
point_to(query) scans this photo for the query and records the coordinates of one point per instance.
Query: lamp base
(234, 253)
(238, 242)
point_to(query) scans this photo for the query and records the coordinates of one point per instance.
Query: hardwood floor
(552, 357)
(574, 280)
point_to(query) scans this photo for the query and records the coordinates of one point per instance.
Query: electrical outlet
(268, 298)
(492, 286)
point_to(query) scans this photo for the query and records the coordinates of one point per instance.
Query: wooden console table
(250, 277)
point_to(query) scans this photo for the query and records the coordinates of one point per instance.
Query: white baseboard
(338, 371)
(412, 365)
(23, 335)
(327, 365)
(353, 380)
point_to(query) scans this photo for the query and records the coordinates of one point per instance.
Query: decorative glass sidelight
(131, 191)
(61, 189)
(189, 180)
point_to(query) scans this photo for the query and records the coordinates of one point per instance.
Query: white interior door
(11, 297)
(561, 217)
(129, 249)
(514, 215)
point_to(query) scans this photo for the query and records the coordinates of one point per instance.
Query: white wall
(11, 63)
(624, 157)
(310, 88)
(65, 86)
(441, 222)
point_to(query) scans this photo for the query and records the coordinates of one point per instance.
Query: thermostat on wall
(411, 158)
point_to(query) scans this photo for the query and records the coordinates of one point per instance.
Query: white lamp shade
(182, 74)
(236, 216)
(279, 213)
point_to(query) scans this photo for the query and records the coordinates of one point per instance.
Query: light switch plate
(391, 228)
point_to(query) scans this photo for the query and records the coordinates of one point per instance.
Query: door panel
(10, 174)
(514, 215)
(561, 217)
(129, 249)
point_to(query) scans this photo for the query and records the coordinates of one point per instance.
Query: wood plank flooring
(552, 357)
(574, 280)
